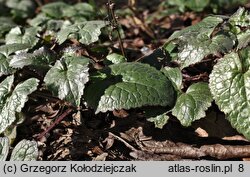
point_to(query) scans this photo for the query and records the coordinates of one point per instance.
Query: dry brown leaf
(236, 137)
(201, 132)
(109, 141)
(101, 157)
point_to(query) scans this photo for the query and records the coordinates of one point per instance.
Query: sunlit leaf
(191, 106)
(13, 101)
(4, 148)
(86, 32)
(67, 78)
(25, 150)
(229, 84)
(136, 85)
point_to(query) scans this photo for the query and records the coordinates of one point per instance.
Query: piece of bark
(188, 151)
(168, 147)
(150, 156)
(226, 151)
(167, 150)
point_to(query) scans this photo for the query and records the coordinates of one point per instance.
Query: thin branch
(57, 121)
(123, 141)
(114, 24)
(139, 21)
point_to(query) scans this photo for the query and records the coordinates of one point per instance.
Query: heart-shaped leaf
(54, 9)
(195, 42)
(191, 106)
(79, 12)
(5, 52)
(86, 32)
(13, 101)
(9, 49)
(16, 35)
(40, 58)
(67, 78)
(25, 150)
(229, 84)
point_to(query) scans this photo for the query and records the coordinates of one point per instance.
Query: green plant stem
(57, 121)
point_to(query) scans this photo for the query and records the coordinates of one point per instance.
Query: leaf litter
(124, 134)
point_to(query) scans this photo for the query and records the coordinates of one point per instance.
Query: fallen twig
(167, 150)
(111, 135)
(58, 120)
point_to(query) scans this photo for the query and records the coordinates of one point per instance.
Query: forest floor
(126, 134)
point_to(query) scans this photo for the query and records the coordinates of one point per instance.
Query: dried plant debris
(146, 148)
(73, 73)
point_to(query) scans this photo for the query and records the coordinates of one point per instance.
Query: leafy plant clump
(229, 77)
(36, 59)
(201, 5)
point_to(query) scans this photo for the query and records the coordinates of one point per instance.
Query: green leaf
(54, 9)
(195, 42)
(243, 39)
(16, 35)
(194, 5)
(21, 8)
(86, 32)
(137, 85)
(67, 78)
(6, 25)
(79, 12)
(47, 23)
(219, 5)
(179, 3)
(13, 101)
(56, 25)
(203, 28)
(5, 88)
(12, 48)
(175, 76)
(40, 20)
(115, 58)
(4, 148)
(191, 106)
(240, 18)
(25, 150)
(5, 69)
(5, 51)
(157, 115)
(159, 120)
(197, 5)
(40, 58)
(196, 49)
(229, 85)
